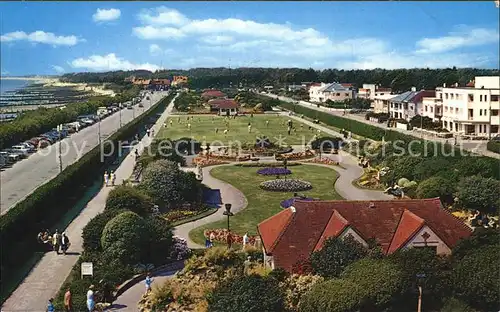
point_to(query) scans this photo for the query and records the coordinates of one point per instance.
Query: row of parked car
(10, 156)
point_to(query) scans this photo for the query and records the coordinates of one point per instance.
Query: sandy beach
(98, 89)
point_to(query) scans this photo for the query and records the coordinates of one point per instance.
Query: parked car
(21, 150)
(87, 121)
(21, 153)
(49, 137)
(141, 105)
(31, 148)
(39, 142)
(9, 157)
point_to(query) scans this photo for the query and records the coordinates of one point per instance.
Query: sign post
(87, 269)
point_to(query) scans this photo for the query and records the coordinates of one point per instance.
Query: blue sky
(61, 37)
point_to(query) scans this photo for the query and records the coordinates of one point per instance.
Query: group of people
(109, 178)
(58, 242)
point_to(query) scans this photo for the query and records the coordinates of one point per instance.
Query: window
(471, 97)
(456, 110)
(494, 98)
(452, 96)
(432, 109)
(480, 112)
(494, 112)
(480, 98)
(480, 128)
(347, 94)
(486, 98)
(338, 94)
(426, 108)
(446, 95)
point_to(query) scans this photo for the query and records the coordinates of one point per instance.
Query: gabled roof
(290, 236)
(213, 93)
(333, 87)
(413, 96)
(222, 103)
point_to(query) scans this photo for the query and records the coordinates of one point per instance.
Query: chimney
(372, 205)
(413, 89)
(292, 208)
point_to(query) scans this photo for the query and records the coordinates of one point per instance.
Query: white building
(408, 104)
(369, 91)
(382, 102)
(470, 110)
(331, 91)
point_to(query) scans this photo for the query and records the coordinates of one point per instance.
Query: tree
(436, 187)
(484, 166)
(479, 193)
(479, 239)
(475, 279)
(379, 281)
(336, 255)
(130, 198)
(247, 293)
(126, 237)
(431, 166)
(161, 239)
(437, 270)
(92, 232)
(336, 295)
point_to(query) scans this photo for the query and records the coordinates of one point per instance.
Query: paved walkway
(475, 146)
(229, 194)
(47, 277)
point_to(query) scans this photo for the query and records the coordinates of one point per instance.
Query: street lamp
(120, 106)
(99, 130)
(420, 284)
(228, 213)
(59, 130)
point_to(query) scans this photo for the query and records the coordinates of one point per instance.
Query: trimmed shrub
(334, 295)
(247, 293)
(289, 185)
(92, 232)
(124, 197)
(493, 146)
(273, 165)
(125, 238)
(436, 187)
(274, 171)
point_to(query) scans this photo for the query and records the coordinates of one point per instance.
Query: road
(475, 146)
(26, 175)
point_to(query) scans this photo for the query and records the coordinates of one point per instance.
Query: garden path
(47, 277)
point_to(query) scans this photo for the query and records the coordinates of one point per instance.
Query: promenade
(20, 180)
(47, 277)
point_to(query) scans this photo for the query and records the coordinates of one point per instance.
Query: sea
(12, 85)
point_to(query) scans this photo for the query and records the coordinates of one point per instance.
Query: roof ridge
(368, 201)
(283, 228)
(326, 225)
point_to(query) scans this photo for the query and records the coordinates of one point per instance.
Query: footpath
(47, 277)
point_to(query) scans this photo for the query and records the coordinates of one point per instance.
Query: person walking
(152, 132)
(212, 239)
(148, 283)
(112, 177)
(246, 240)
(106, 178)
(229, 240)
(148, 132)
(68, 301)
(90, 299)
(64, 243)
(56, 241)
(50, 305)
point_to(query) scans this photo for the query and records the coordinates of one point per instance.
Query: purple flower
(274, 171)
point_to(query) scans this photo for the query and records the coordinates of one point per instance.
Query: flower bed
(275, 164)
(243, 158)
(203, 162)
(282, 185)
(180, 249)
(274, 171)
(324, 161)
(220, 235)
(295, 156)
(176, 215)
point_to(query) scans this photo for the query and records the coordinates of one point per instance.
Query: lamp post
(228, 213)
(120, 106)
(420, 284)
(59, 130)
(99, 130)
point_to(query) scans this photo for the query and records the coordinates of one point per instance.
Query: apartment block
(472, 110)
(408, 104)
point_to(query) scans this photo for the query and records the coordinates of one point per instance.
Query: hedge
(493, 146)
(47, 205)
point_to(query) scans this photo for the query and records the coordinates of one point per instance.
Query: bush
(125, 197)
(335, 255)
(247, 293)
(475, 278)
(161, 241)
(436, 187)
(479, 239)
(125, 238)
(455, 305)
(479, 193)
(288, 185)
(493, 146)
(379, 281)
(334, 295)
(326, 143)
(92, 232)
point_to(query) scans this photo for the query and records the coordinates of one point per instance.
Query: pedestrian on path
(50, 305)
(64, 242)
(90, 299)
(152, 132)
(68, 301)
(106, 178)
(212, 239)
(229, 240)
(148, 132)
(56, 241)
(148, 282)
(246, 240)
(112, 177)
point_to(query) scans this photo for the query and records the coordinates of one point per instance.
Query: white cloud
(459, 39)
(106, 15)
(40, 36)
(217, 39)
(109, 62)
(155, 49)
(58, 69)
(162, 16)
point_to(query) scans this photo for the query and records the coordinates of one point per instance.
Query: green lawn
(263, 204)
(203, 129)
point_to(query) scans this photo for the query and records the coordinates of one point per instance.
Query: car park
(9, 158)
(21, 149)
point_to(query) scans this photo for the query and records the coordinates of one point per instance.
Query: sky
(49, 38)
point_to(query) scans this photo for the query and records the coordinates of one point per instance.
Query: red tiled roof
(470, 84)
(390, 222)
(160, 82)
(223, 103)
(417, 98)
(347, 84)
(213, 93)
